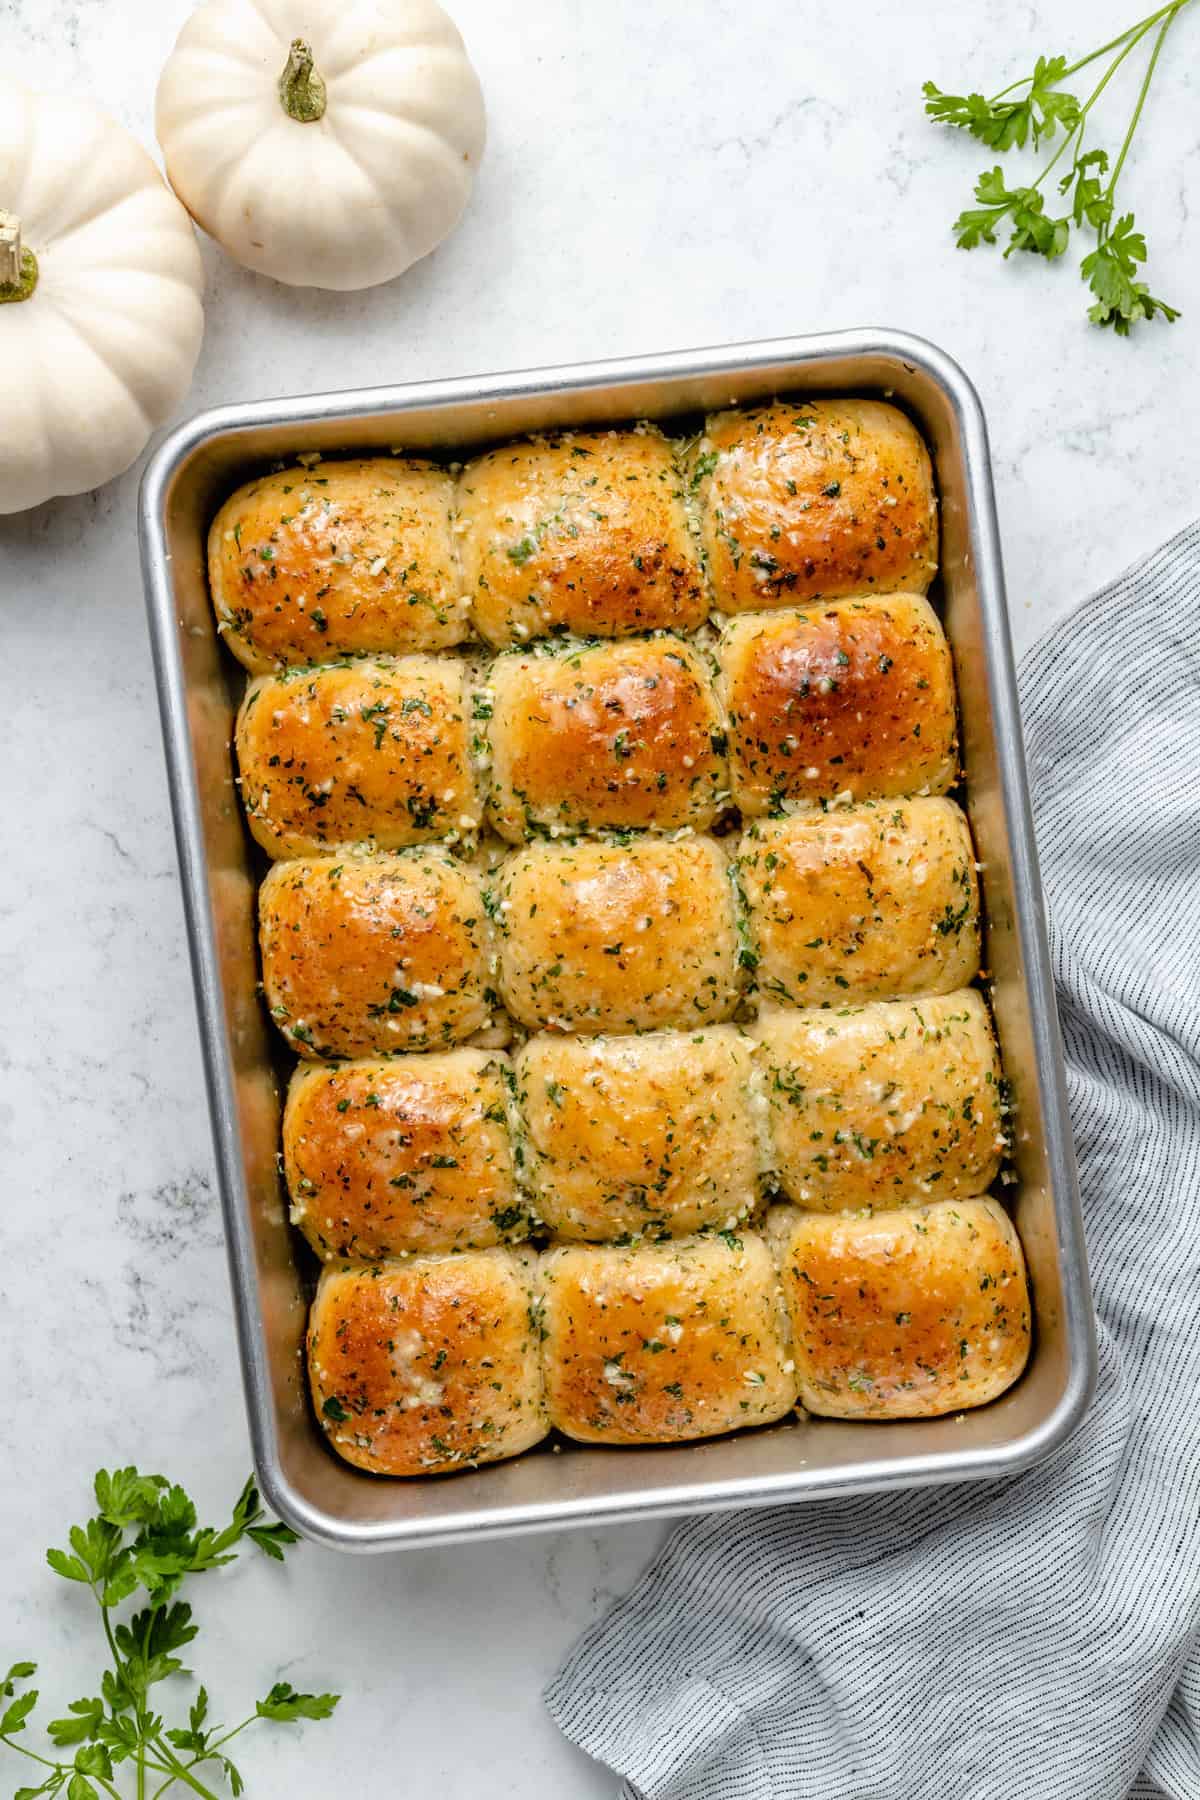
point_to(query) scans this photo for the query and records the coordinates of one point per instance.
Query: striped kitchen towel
(1038, 1639)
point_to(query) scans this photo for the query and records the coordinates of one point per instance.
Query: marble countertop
(657, 177)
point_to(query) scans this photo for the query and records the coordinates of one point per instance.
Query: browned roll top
(374, 955)
(905, 1315)
(585, 532)
(427, 1366)
(337, 559)
(814, 500)
(854, 700)
(626, 734)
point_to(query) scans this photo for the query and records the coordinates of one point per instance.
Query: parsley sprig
(1038, 107)
(144, 1540)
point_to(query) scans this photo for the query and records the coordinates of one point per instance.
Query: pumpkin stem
(301, 88)
(18, 266)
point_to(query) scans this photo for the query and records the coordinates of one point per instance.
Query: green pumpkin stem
(301, 88)
(18, 266)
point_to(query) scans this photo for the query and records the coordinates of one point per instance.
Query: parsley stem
(218, 1742)
(178, 1771)
(1092, 56)
(1139, 33)
(119, 1666)
(1142, 24)
(31, 1754)
(1163, 29)
(1074, 136)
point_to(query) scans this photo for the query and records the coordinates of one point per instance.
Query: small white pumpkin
(327, 143)
(100, 284)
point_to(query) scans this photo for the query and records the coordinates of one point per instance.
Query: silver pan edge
(191, 472)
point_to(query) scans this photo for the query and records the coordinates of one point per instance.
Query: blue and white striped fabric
(1039, 1639)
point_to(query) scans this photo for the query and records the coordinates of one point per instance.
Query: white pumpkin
(328, 143)
(100, 284)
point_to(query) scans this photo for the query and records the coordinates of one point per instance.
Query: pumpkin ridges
(251, 196)
(16, 151)
(32, 431)
(118, 337)
(425, 27)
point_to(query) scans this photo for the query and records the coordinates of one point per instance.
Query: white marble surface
(658, 176)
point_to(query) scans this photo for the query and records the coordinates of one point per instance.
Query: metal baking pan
(198, 688)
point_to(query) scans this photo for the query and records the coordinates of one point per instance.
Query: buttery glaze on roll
(814, 501)
(374, 955)
(427, 1366)
(664, 1342)
(598, 736)
(607, 937)
(412, 1154)
(585, 532)
(905, 1315)
(862, 903)
(883, 1104)
(341, 559)
(853, 701)
(633, 1137)
(374, 753)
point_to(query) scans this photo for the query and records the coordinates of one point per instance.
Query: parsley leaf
(285, 1704)
(1022, 206)
(1110, 271)
(1004, 124)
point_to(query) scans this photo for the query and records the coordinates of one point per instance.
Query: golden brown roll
(631, 1137)
(907, 1314)
(664, 1342)
(813, 501)
(427, 1366)
(374, 753)
(374, 955)
(603, 736)
(854, 700)
(879, 1105)
(413, 1154)
(617, 937)
(862, 903)
(340, 559)
(584, 532)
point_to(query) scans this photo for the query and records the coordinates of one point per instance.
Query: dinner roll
(855, 700)
(427, 1366)
(373, 955)
(639, 1136)
(664, 1342)
(411, 1154)
(906, 1314)
(617, 937)
(877, 1105)
(862, 902)
(814, 500)
(371, 753)
(584, 532)
(339, 559)
(604, 735)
